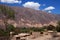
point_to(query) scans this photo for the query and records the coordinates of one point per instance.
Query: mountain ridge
(30, 17)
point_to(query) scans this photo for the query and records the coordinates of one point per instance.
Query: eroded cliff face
(25, 17)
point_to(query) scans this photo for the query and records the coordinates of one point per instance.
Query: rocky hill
(20, 16)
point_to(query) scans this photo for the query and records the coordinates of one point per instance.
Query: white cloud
(11, 1)
(49, 11)
(32, 5)
(49, 8)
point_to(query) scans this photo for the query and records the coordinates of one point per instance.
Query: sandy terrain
(44, 37)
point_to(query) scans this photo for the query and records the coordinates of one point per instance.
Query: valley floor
(37, 36)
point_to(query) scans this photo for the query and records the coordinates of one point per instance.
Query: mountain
(26, 17)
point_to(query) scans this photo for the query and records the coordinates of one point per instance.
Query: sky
(50, 6)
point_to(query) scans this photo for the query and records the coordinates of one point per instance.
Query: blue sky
(51, 6)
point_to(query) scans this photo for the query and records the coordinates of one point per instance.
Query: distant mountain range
(25, 17)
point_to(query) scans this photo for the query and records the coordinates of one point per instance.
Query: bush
(58, 23)
(50, 27)
(58, 27)
(22, 30)
(37, 29)
(28, 30)
(3, 33)
(10, 28)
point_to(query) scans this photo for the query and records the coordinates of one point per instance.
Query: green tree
(50, 27)
(58, 23)
(58, 26)
(3, 33)
(10, 28)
